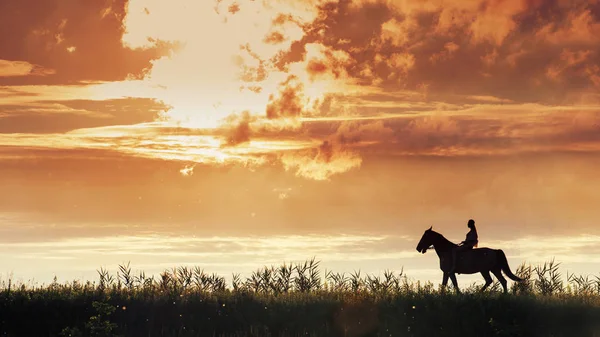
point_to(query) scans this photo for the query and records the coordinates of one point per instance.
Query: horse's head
(426, 241)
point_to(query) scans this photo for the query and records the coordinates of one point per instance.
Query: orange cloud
(274, 38)
(340, 152)
(449, 49)
(593, 71)
(310, 85)
(494, 20)
(568, 59)
(288, 103)
(43, 114)
(240, 133)
(21, 68)
(321, 163)
(580, 27)
(78, 42)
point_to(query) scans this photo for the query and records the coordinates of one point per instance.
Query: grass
(300, 300)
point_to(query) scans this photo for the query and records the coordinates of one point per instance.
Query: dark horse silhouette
(477, 260)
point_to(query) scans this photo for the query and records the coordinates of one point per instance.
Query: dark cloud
(343, 26)
(504, 49)
(252, 73)
(325, 152)
(79, 40)
(12, 92)
(287, 102)
(471, 131)
(274, 38)
(240, 131)
(21, 68)
(233, 8)
(63, 116)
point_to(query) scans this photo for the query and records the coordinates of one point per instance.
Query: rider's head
(471, 223)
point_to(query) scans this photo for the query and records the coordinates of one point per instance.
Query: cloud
(371, 254)
(326, 62)
(543, 249)
(241, 254)
(187, 171)
(134, 194)
(314, 88)
(488, 99)
(320, 148)
(497, 49)
(288, 102)
(240, 132)
(322, 162)
(71, 41)
(449, 49)
(21, 68)
(580, 27)
(339, 153)
(39, 115)
(274, 38)
(140, 120)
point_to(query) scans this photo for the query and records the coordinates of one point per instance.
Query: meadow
(300, 300)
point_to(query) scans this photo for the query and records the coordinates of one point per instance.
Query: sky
(236, 134)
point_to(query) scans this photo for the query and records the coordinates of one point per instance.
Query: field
(300, 300)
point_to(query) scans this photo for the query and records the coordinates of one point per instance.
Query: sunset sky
(236, 134)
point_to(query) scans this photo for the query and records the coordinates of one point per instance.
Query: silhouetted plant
(201, 279)
(581, 285)
(307, 276)
(217, 283)
(549, 280)
(185, 276)
(124, 275)
(284, 278)
(165, 281)
(525, 287)
(106, 279)
(356, 282)
(254, 282)
(236, 282)
(189, 302)
(337, 282)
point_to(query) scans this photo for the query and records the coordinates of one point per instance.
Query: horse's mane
(441, 237)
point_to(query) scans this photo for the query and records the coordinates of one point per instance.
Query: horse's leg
(498, 273)
(488, 280)
(444, 281)
(454, 282)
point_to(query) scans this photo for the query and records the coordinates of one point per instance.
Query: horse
(477, 260)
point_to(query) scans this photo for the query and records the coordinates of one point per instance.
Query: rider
(470, 242)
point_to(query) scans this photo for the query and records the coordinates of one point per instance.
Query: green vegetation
(299, 300)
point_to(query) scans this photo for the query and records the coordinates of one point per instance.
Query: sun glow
(226, 79)
(225, 73)
(225, 62)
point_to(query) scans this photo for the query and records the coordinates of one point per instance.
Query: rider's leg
(454, 252)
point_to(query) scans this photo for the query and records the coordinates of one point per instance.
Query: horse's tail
(505, 268)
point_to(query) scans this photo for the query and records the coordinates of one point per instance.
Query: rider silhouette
(470, 242)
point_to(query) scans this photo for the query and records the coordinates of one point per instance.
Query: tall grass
(299, 299)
